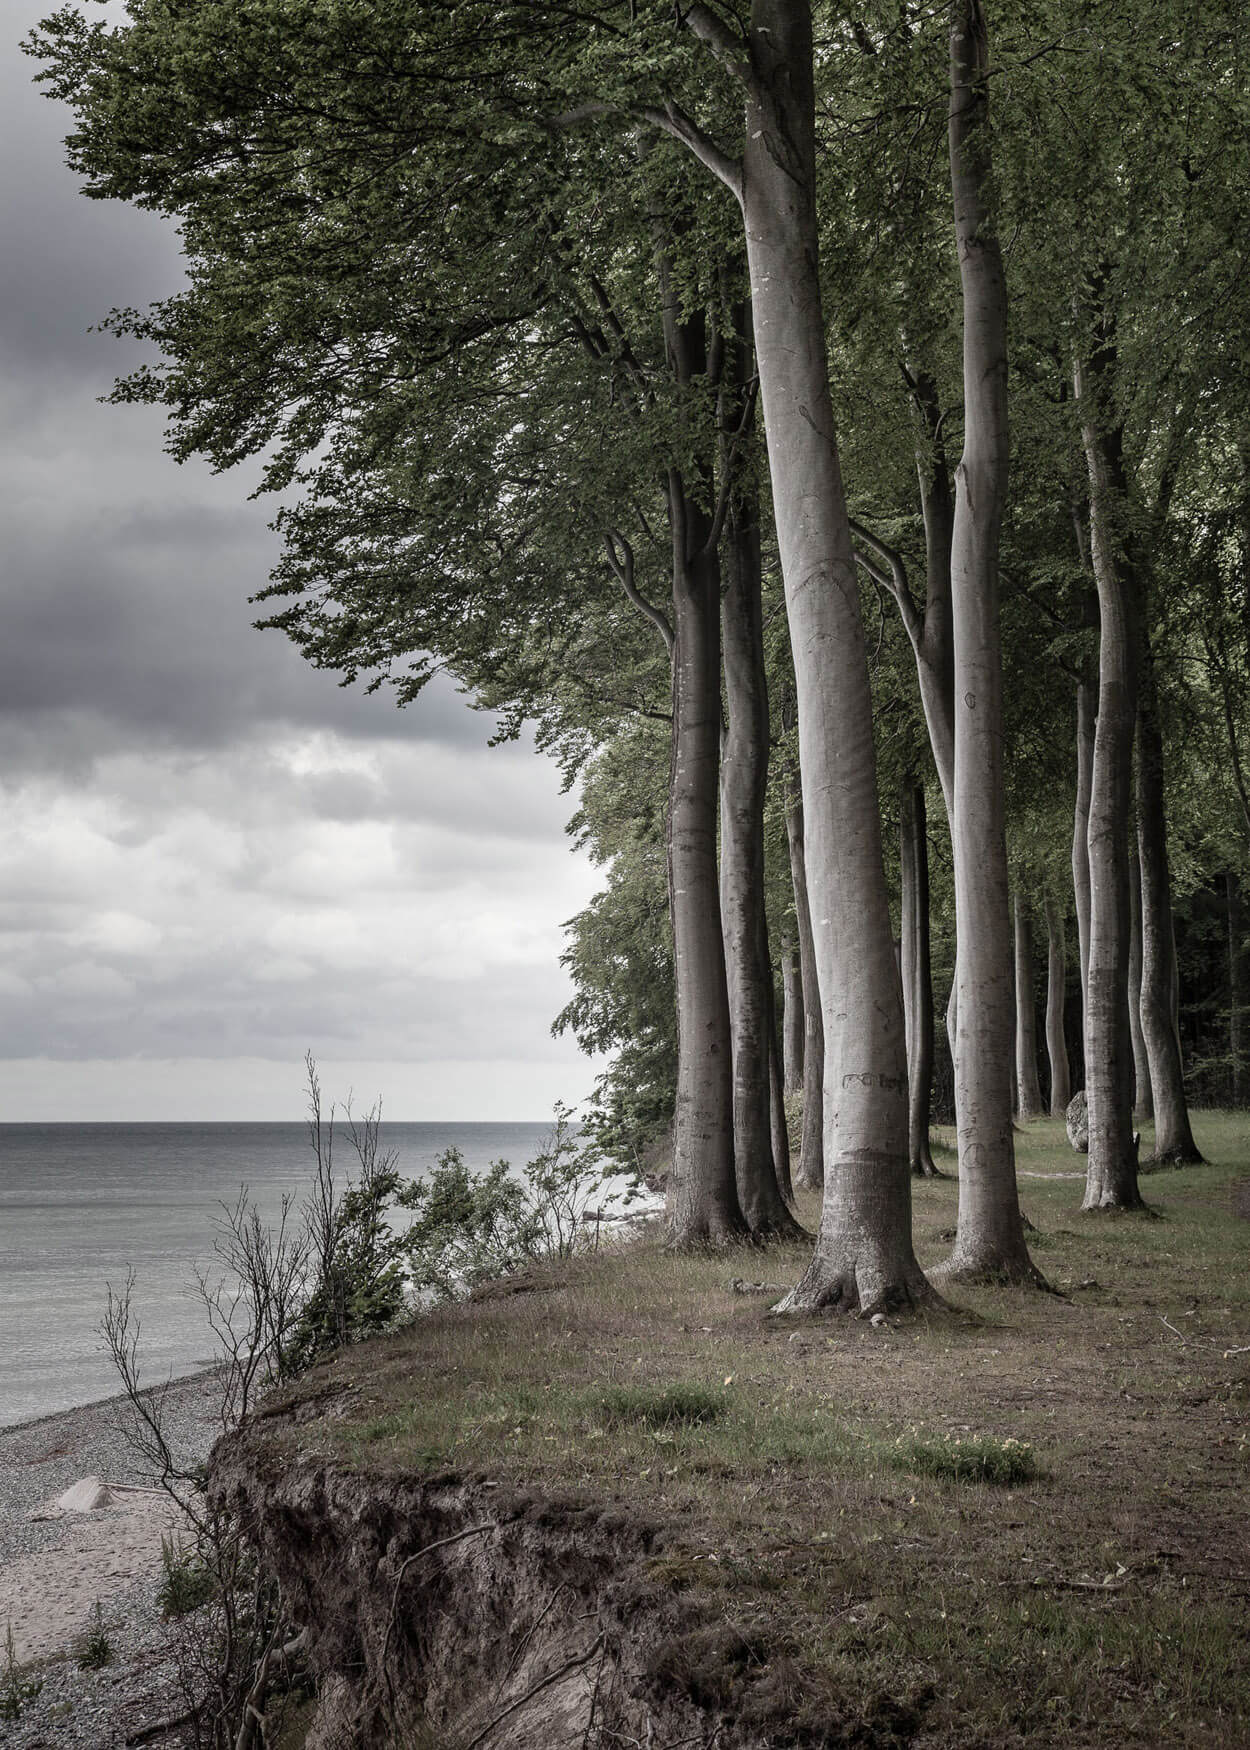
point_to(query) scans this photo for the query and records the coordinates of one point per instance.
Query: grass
(186, 1582)
(96, 1649)
(1018, 1524)
(978, 1459)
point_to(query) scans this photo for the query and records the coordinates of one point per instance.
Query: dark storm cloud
(125, 580)
(66, 261)
(129, 626)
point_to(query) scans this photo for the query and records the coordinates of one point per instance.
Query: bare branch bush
(280, 1294)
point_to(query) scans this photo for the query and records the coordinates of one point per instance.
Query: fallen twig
(1204, 1342)
(162, 1728)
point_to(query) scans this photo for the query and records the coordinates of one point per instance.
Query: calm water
(82, 1203)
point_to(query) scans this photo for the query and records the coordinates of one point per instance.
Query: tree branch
(894, 579)
(622, 563)
(673, 120)
(727, 475)
(729, 48)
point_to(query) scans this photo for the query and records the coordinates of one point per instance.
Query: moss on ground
(1020, 1523)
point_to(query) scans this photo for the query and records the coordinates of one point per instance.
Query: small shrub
(668, 1406)
(470, 1228)
(96, 1650)
(188, 1583)
(15, 1689)
(973, 1458)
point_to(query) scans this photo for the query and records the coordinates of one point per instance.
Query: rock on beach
(81, 1523)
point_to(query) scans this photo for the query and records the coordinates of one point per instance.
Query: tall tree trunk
(1056, 981)
(989, 1237)
(1174, 1140)
(1086, 713)
(1015, 1020)
(917, 973)
(935, 648)
(1143, 1104)
(777, 1105)
(792, 1008)
(704, 1204)
(811, 1171)
(864, 1258)
(1111, 1179)
(1237, 1077)
(744, 779)
(1029, 1102)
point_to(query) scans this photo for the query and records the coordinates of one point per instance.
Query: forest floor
(1020, 1523)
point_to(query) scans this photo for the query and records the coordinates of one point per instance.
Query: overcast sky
(211, 857)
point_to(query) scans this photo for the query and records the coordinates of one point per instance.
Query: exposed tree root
(1112, 1207)
(860, 1290)
(1180, 1156)
(993, 1273)
(783, 1230)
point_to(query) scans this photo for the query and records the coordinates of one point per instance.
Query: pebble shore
(102, 1709)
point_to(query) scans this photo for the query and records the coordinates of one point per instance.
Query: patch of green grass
(187, 1583)
(683, 1404)
(96, 1650)
(959, 1458)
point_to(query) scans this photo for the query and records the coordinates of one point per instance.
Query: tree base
(1114, 1206)
(925, 1169)
(861, 1286)
(707, 1234)
(980, 1271)
(783, 1230)
(1183, 1155)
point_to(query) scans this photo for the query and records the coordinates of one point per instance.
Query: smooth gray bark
(1111, 1180)
(989, 1236)
(1174, 1139)
(705, 1207)
(1236, 1056)
(929, 628)
(744, 779)
(793, 1023)
(917, 973)
(1029, 1088)
(1086, 713)
(1143, 1104)
(1056, 982)
(811, 1168)
(864, 1258)
(777, 1110)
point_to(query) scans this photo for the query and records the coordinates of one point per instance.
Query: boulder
(1077, 1119)
(85, 1496)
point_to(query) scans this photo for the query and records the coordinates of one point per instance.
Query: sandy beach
(55, 1565)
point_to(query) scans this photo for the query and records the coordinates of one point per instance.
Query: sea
(85, 1206)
